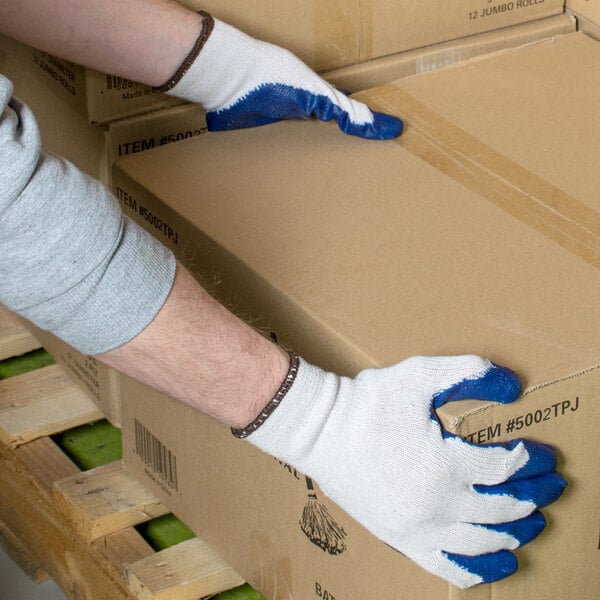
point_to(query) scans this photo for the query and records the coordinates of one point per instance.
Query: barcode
(156, 455)
(118, 83)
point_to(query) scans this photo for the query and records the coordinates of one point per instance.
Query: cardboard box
(476, 232)
(589, 9)
(93, 149)
(589, 28)
(414, 62)
(97, 97)
(327, 35)
(100, 382)
(14, 337)
(64, 131)
(100, 97)
(157, 128)
(331, 34)
(153, 129)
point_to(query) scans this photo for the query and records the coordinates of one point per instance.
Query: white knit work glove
(376, 447)
(243, 82)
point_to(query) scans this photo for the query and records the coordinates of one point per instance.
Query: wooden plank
(105, 500)
(187, 571)
(124, 547)
(21, 555)
(47, 503)
(14, 337)
(42, 402)
(83, 570)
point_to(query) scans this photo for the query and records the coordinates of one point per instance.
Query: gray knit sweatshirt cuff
(70, 261)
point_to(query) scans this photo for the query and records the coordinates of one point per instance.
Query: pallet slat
(14, 337)
(41, 403)
(21, 556)
(28, 509)
(187, 571)
(105, 500)
(77, 526)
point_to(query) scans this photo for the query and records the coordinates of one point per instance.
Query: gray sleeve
(70, 261)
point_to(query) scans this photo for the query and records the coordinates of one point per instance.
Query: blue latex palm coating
(497, 384)
(536, 481)
(523, 530)
(273, 102)
(542, 490)
(490, 567)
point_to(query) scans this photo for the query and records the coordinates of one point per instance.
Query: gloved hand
(243, 82)
(375, 446)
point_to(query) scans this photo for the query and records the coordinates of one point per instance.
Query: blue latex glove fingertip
(523, 530)
(490, 567)
(384, 127)
(498, 384)
(541, 491)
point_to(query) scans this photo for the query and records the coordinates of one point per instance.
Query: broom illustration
(319, 526)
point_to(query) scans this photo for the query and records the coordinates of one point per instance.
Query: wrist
(206, 27)
(268, 409)
(292, 431)
(270, 367)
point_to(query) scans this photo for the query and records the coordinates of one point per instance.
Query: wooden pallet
(14, 338)
(78, 527)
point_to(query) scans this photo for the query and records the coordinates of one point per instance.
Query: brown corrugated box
(327, 35)
(153, 129)
(477, 232)
(588, 27)
(100, 382)
(68, 134)
(64, 131)
(15, 338)
(589, 9)
(379, 71)
(97, 96)
(93, 149)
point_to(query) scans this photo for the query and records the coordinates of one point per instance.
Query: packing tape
(511, 187)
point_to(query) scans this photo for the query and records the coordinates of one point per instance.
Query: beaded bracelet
(208, 24)
(274, 403)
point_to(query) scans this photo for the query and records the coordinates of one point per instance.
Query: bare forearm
(198, 352)
(143, 40)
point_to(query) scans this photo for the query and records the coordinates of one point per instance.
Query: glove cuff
(208, 25)
(274, 402)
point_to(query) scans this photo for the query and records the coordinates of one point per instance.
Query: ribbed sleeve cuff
(124, 300)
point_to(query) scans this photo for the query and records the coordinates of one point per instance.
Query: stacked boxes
(327, 35)
(332, 34)
(477, 231)
(98, 96)
(66, 131)
(588, 9)
(358, 46)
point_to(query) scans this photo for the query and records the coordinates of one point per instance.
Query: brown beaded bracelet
(274, 402)
(208, 24)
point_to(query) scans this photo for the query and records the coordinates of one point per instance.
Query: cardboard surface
(98, 97)
(327, 35)
(379, 71)
(152, 130)
(330, 34)
(590, 9)
(100, 382)
(476, 232)
(589, 27)
(64, 130)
